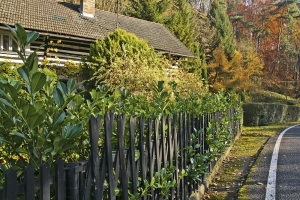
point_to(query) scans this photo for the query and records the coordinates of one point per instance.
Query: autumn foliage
(241, 73)
(271, 27)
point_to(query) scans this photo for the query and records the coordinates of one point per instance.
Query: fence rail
(133, 151)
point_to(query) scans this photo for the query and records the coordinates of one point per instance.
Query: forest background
(245, 45)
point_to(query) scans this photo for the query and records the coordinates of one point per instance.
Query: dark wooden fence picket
(152, 144)
(60, 186)
(29, 179)
(94, 160)
(10, 185)
(45, 181)
(12, 189)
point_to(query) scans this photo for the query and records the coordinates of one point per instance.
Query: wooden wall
(57, 50)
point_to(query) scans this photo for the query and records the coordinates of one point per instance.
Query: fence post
(72, 182)
(132, 128)
(108, 125)
(124, 177)
(176, 153)
(94, 138)
(142, 150)
(170, 148)
(151, 153)
(10, 185)
(29, 183)
(88, 182)
(45, 181)
(60, 189)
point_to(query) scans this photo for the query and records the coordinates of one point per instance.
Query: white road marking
(271, 185)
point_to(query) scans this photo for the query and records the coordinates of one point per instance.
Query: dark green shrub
(260, 114)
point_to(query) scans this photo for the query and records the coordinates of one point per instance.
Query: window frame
(10, 42)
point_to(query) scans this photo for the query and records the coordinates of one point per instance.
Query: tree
(271, 28)
(221, 22)
(246, 68)
(207, 36)
(122, 60)
(182, 23)
(150, 10)
(241, 73)
(218, 70)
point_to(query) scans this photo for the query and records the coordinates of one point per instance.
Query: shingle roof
(63, 18)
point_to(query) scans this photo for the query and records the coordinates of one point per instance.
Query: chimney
(87, 8)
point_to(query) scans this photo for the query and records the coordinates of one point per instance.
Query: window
(6, 42)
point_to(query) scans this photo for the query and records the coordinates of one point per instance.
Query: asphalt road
(279, 179)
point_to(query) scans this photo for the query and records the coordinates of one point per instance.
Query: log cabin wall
(57, 49)
(60, 50)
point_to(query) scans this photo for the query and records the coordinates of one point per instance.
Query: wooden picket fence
(159, 142)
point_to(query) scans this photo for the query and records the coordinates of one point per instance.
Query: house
(68, 29)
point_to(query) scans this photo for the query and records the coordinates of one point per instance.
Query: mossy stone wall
(260, 114)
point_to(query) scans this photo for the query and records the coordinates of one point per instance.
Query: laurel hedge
(260, 114)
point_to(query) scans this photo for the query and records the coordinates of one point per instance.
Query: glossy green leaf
(12, 30)
(71, 85)
(152, 181)
(35, 121)
(28, 111)
(32, 36)
(20, 135)
(20, 102)
(117, 191)
(5, 102)
(21, 34)
(40, 107)
(58, 117)
(136, 154)
(38, 81)
(11, 90)
(71, 131)
(32, 63)
(63, 88)
(58, 97)
(160, 85)
(35, 66)
(25, 75)
(146, 183)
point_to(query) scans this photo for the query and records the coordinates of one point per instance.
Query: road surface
(277, 175)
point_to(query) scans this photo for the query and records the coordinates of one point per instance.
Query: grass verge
(228, 182)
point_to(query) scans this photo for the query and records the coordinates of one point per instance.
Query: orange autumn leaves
(241, 73)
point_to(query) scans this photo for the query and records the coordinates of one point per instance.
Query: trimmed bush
(260, 114)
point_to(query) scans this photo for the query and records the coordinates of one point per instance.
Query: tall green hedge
(259, 114)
